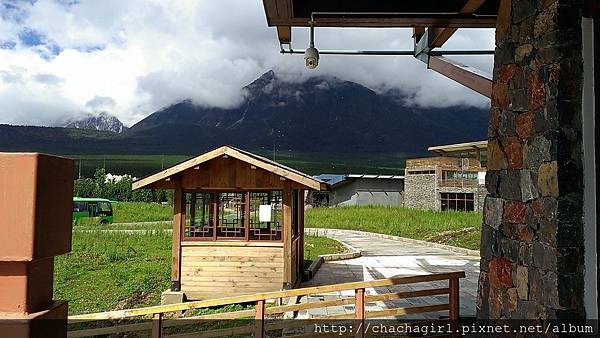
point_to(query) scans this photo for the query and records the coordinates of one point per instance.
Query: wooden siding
(211, 271)
(417, 163)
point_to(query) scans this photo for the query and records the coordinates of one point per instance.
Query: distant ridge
(319, 115)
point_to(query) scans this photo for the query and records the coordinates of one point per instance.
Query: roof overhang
(285, 14)
(242, 155)
(433, 23)
(460, 147)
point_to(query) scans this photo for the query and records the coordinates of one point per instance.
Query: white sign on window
(481, 177)
(264, 213)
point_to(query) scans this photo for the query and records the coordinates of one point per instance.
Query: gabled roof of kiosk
(242, 155)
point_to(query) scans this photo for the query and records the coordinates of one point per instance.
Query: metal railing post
(359, 313)
(259, 319)
(157, 325)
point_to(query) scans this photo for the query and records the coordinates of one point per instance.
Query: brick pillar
(532, 238)
(35, 225)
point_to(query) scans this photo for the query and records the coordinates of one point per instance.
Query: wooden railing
(260, 311)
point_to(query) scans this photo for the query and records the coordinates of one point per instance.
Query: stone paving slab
(385, 258)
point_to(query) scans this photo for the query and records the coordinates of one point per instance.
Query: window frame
(452, 204)
(215, 207)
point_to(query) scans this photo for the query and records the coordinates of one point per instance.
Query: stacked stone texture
(532, 237)
(420, 192)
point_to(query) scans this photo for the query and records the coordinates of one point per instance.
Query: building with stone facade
(454, 180)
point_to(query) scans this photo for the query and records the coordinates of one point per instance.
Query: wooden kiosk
(238, 223)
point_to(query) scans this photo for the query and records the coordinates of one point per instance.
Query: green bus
(99, 209)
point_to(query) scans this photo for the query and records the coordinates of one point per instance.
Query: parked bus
(99, 209)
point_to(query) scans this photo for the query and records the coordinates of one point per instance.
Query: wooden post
(247, 215)
(178, 223)
(157, 325)
(259, 319)
(454, 300)
(215, 209)
(36, 205)
(301, 232)
(359, 313)
(193, 209)
(287, 234)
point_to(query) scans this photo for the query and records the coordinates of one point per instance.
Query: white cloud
(145, 54)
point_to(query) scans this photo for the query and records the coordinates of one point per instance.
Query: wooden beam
(301, 231)
(379, 22)
(359, 313)
(418, 31)
(284, 34)
(591, 8)
(463, 74)
(287, 235)
(178, 222)
(471, 6)
(441, 35)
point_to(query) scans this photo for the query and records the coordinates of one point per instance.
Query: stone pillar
(532, 238)
(35, 225)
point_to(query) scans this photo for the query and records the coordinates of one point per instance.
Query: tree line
(117, 190)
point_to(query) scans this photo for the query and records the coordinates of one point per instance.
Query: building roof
(459, 147)
(391, 177)
(382, 13)
(335, 179)
(242, 155)
(330, 179)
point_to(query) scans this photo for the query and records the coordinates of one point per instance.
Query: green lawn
(315, 246)
(125, 212)
(111, 270)
(108, 271)
(448, 227)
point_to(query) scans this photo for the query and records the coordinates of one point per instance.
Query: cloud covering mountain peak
(58, 57)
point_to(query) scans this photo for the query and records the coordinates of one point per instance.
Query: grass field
(126, 212)
(448, 227)
(315, 246)
(460, 229)
(133, 212)
(311, 163)
(114, 270)
(107, 271)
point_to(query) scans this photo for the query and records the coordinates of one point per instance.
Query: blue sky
(140, 55)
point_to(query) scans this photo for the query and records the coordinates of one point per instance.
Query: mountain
(103, 122)
(320, 115)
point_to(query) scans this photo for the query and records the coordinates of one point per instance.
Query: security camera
(311, 57)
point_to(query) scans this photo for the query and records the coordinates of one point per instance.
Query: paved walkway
(384, 258)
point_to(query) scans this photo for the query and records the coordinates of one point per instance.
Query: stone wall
(420, 192)
(532, 236)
